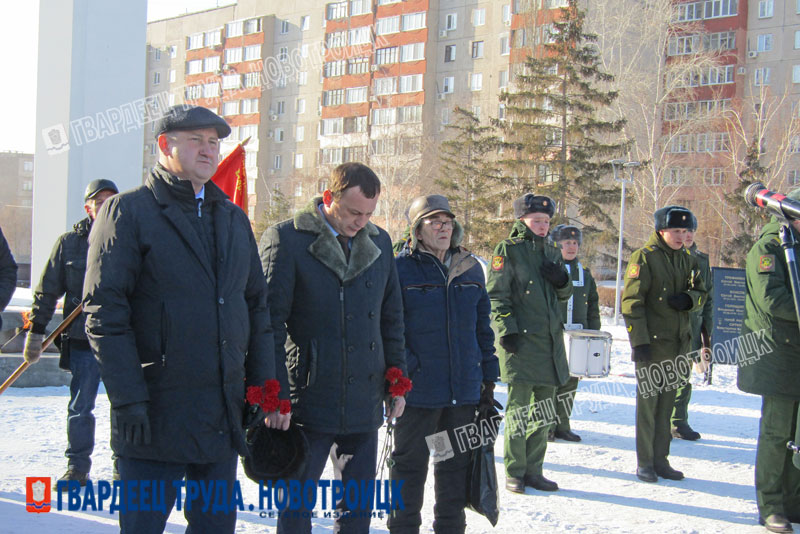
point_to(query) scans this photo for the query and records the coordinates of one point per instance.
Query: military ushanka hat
(530, 203)
(674, 217)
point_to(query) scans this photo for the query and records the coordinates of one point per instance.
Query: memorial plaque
(730, 287)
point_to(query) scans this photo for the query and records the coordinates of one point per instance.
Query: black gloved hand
(554, 273)
(487, 401)
(510, 343)
(641, 353)
(132, 423)
(680, 302)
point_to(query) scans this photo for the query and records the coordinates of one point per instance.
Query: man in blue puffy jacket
(451, 361)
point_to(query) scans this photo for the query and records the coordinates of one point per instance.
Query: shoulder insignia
(766, 263)
(633, 270)
(649, 248)
(497, 263)
(630, 328)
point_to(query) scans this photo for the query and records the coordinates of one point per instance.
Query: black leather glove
(487, 398)
(554, 273)
(132, 423)
(680, 302)
(510, 343)
(641, 353)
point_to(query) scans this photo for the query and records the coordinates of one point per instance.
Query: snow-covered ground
(599, 491)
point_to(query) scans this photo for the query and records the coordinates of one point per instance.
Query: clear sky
(19, 39)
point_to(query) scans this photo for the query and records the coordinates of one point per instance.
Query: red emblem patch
(633, 270)
(497, 263)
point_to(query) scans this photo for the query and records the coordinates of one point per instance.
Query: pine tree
(556, 139)
(469, 178)
(278, 209)
(750, 219)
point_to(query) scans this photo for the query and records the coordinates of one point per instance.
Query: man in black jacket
(63, 276)
(337, 313)
(177, 316)
(8, 275)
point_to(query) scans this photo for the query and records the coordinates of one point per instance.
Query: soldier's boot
(540, 483)
(567, 435)
(646, 474)
(74, 474)
(776, 523)
(685, 432)
(515, 485)
(668, 472)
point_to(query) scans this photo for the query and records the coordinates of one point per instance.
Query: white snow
(599, 491)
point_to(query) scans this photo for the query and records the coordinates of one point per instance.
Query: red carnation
(393, 373)
(272, 387)
(254, 395)
(285, 406)
(270, 404)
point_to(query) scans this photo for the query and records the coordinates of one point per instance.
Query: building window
(360, 7)
(249, 105)
(479, 17)
(157, 54)
(355, 95)
(252, 79)
(276, 162)
(358, 65)
(355, 124)
(383, 147)
(334, 97)
(382, 116)
(476, 81)
(353, 153)
(449, 53)
(448, 84)
(298, 164)
(385, 86)
(713, 177)
(359, 36)
(689, 12)
(279, 135)
(764, 42)
(210, 90)
(193, 92)
(412, 52)
(719, 41)
(173, 51)
(795, 73)
(300, 105)
(234, 29)
(676, 176)
(213, 38)
(411, 83)
(765, 8)
(413, 21)
(507, 14)
(252, 26)
(284, 27)
(280, 107)
(249, 130)
(300, 133)
(211, 64)
(230, 108)
(156, 78)
(332, 69)
(336, 39)
(477, 49)
(724, 8)
(302, 78)
(505, 45)
(336, 10)
(409, 114)
(233, 55)
(503, 77)
(194, 67)
(172, 76)
(231, 81)
(680, 144)
(252, 52)
(385, 56)
(194, 41)
(761, 76)
(331, 156)
(684, 44)
(387, 25)
(793, 176)
(305, 22)
(476, 110)
(451, 21)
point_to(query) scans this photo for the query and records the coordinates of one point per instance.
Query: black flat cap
(530, 203)
(95, 186)
(673, 217)
(184, 117)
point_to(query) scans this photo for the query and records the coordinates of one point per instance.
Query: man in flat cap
(663, 286)
(526, 282)
(63, 276)
(177, 316)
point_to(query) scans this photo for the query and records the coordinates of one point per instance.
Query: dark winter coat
(449, 339)
(63, 276)
(525, 303)
(585, 301)
(769, 364)
(655, 272)
(8, 274)
(338, 325)
(703, 319)
(173, 328)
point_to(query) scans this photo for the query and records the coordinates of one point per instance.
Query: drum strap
(575, 283)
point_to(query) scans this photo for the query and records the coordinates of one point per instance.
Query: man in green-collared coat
(769, 365)
(662, 287)
(582, 310)
(702, 325)
(526, 281)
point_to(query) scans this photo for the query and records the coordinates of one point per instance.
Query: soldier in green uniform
(771, 369)
(662, 287)
(526, 281)
(580, 311)
(702, 324)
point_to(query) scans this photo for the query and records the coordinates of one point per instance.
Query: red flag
(231, 177)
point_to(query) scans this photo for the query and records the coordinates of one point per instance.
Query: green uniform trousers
(530, 411)
(680, 412)
(565, 399)
(655, 398)
(777, 479)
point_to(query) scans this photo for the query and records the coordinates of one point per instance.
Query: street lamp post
(630, 165)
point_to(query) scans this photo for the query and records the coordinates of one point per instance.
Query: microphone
(758, 196)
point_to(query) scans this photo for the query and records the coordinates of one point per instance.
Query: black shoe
(551, 436)
(515, 485)
(669, 473)
(74, 474)
(540, 483)
(646, 474)
(567, 435)
(685, 432)
(776, 523)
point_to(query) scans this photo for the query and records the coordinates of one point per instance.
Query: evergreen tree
(278, 209)
(750, 219)
(469, 179)
(556, 139)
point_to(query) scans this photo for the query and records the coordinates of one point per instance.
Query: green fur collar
(326, 248)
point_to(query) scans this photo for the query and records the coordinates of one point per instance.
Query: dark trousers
(212, 521)
(80, 420)
(777, 479)
(564, 401)
(655, 399)
(680, 413)
(411, 455)
(353, 458)
(530, 414)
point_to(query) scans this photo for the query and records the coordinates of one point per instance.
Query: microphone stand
(788, 243)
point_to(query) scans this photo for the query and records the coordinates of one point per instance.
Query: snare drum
(588, 353)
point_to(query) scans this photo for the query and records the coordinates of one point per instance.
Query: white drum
(588, 352)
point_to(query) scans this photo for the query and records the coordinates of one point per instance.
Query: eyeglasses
(438, 224)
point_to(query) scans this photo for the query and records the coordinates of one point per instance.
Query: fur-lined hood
(326, 247)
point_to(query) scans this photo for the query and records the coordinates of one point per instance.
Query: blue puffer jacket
(449, 340)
